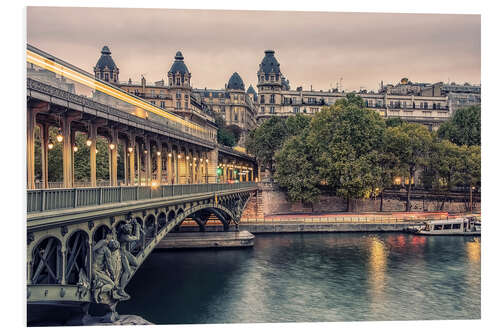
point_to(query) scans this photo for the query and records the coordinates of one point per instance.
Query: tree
(296, 170)
(225, 136)
(393, 122)
(346, 142)
(464, 127)
(296, 125)
(409, 144)
(264, 141)
(469, 171)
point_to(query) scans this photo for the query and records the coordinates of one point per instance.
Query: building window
(272, 99)
(262, 99)
(162, 104)
(178, 105)
(178, 81)
(271, 109)
(185, 105)
(178, 95)
(296, 109)
(262, 109)
(426, 105)
(153, 102)
(106, 77)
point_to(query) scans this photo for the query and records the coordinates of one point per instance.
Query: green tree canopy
(296, 170)
(409, 145)
(347, 142)
(225, 135)
(464, 127)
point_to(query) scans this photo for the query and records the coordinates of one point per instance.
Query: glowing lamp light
(194, 158)
(206, 160)
(169, 155)
(50, 145)
(158, 153)
(154, 184)
(190, 164)
(187, 157)
(111, 146)
(96, 151)
(179, 156)
(130, 149)
(75, 149)
(59, 137)
(89, 142)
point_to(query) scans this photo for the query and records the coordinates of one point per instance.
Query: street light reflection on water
(311, 278)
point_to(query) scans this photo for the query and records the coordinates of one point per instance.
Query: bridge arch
(47, 261)
(149, 228)
(161, 220)
(100, 233)
(77, 257)
(171, 215)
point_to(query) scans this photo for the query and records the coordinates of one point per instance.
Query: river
(312, 277)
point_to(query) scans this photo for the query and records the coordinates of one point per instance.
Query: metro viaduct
(178, 158)
(84, 243)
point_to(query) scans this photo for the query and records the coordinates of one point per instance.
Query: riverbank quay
(185, 240)
(345, 222)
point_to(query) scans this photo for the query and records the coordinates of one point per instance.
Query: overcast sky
(313, 48)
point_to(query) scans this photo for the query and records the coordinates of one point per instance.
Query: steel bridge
(85, 242)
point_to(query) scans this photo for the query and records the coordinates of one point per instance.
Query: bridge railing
(57, 199)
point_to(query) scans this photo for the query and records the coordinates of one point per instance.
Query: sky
(313, 48)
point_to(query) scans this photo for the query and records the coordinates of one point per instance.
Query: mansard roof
(269, 64)
(235, 82)
(105, 61)
(179, 66)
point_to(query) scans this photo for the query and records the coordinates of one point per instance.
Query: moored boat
(467, 226)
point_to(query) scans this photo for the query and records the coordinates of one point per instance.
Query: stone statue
(104, 269)
(113, 264)
(129, 232)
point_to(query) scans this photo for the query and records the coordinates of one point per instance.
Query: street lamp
(130, 149)
(158, 153)
(75, 149)
(111, 146)
(89, 142)
(59, 137)
(50, 145)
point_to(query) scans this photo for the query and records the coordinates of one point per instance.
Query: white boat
(467, 226)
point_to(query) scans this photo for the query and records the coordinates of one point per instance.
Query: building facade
(175, 96)
(428, 104)
(235, 105)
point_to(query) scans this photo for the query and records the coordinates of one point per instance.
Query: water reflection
(378, 262)
(312, 277)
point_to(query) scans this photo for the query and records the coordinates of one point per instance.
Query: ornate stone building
(236, 106)
(175, 97)
(416, 102)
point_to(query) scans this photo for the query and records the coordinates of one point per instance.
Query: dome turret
(251, 90)
(235, 82)
(106, 69)
(269, 64)
(179, 66)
